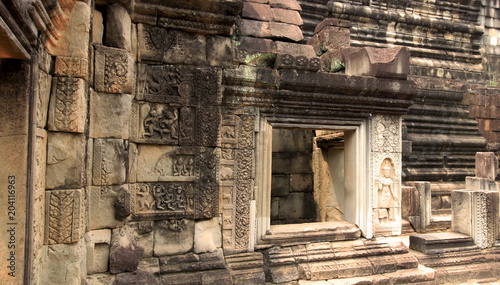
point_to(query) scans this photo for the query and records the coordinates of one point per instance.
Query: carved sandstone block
(110, 158)
(165, 163)
(173, 237)
(207, 235)
(114, 70)
(64, 219)
(67, 256)
(155, 123)
(110, 115)
(170, 46)
(68, 107)
(486, 165)
(65, 160)
(124, 253)
(98, 250)
(69, 66)
(42, 98)
(104, 210)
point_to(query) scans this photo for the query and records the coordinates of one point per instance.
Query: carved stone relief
(163, 200)
(170, 46)
(64, 221)
(68, 108)
(155, 123)
(387, 197)
(110, 161)
(166, 163)
(387, 133)
(114, 70)
(165, 84)
(209, 119)
(71, 66)
(187, 121)
(42, 98)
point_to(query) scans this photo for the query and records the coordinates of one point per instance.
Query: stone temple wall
(139, 122)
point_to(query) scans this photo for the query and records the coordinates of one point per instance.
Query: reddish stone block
(287, 16)
(253, 28)
(257, 44)
(332, 23)
(330, 38)
(285, 4)
(391, 62)
(257, 11)
(295, 49)
(285, 31)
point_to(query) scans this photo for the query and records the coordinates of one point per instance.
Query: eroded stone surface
(109, 166)
(65, 160)
(114, 70)
(98, 243)
(103, 211)
(118, 27)
(207, 235)
(110, 115)
(71, 257)
(124, 254)
(173, 237)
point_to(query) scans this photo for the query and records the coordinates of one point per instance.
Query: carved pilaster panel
(245, 162)
(114, 70)
(242, 217)
(386, 134)
(68, 107)
(208, 86)
(187, 121)
(64, 219)
(246, 132)
(228, 192)
(42, 98)
(209, 124)
(229, 131)
(166, 84)
(71, 67)
(155, 123)
(110, 159)
(170, 46)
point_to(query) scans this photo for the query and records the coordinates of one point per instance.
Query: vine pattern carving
(116, 72)
(67, 104)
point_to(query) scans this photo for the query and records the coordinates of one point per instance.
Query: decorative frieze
(64, 221)
(114, 70)
(68, 108)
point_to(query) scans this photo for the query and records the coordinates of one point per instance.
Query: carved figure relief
(177, 225)
(172, 197)
(115, 76)
(387, 198)
(145, 200)
(159, 83)
(187, 126)
(161, 123)
(183, 166)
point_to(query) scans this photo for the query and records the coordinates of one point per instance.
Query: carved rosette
(64, 221)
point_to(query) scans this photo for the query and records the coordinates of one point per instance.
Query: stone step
(479, 272)
(439, 223)
(406, 228)
(310, 232)
(434, 243)
(459, 258)
(420, 275)
(246, 268)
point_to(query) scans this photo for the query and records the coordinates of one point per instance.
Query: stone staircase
(359, 261)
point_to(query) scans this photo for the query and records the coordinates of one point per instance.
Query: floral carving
(115, 76)
(64, 220)
(67, 105)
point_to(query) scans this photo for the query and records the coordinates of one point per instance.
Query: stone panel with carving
(110, 159)
(64, 221)
(209, 120)
(68, 108)
(114, 70)
(386, 134)
(42, 98)
(170, 46)
(155, 123)
(166, 163)
(166, 84)
(163, 200)
(71, 67)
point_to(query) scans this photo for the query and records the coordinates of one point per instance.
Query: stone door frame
(358, 197)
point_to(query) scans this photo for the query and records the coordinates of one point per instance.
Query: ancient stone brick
(68, 107)
(219, 51)
(257, 11)
(110, 115)
(285, 4)
(118, 27)
(71, 67)
(42, 98)
(137, 277)
(67, 256)
(207, 236)
(97, 27)
(287, 16)
(98, 250)
(285, 31)
(387, 63)
(253, 28)
(65, 160)
(124, 254)
(486, 165)
(173, 237)
(102, 211)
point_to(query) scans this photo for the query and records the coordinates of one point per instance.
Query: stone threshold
(292, 234)
(434, 243)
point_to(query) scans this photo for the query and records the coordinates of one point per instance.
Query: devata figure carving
(386, 199)
(162, 123)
